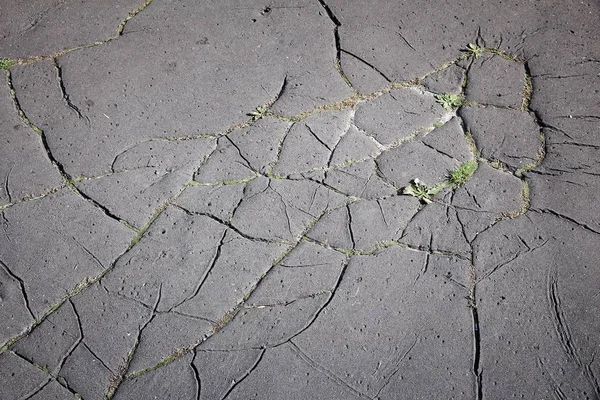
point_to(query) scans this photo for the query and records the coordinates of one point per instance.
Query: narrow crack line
(368, 64)
(7, 186)
(439, 151)
(207, 272)
(562, 216)
(36, 390)
(350, 231)
(63, 91)
(280, 143)
(88, 252)
(477, 354)
(239, 151)
(330, 13)
(381, 211)
(313, 364)
(245, 375)
(397, 368)
(197, 379)
(316, 137)
(229, 225)
(286, 302)
(21, 286)
(75, 344)
(285, 208)
(560, 325)
(84, 344)
(119, 376)
(327, 302)
(558, 393)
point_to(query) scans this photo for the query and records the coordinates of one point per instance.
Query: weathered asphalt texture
(206, 200)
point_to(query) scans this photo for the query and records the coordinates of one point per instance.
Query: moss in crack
(527, 92)
(175, 355)
(541, 154)
(472, 145)
(6, 63)
(132, 14)
(225, 319)
(462, 174)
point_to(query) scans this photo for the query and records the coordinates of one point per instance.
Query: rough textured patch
(496, 81)
(233, 274)
(449, 139)
(360, 180)
(290, 361)
(489, 195)
(277, 254)
(185, 331)
(80, 367)
(304, 148)
(170, 262)
(414, 160)
(25, 169)
(83, 240)
(509, 136)
(26, 27)
(220, 370)
(219, 201)
(183, 383)
(282, 209)
(404, 324)
(397, 115)
(447, 234)
(544, 328)
(19, 378)
(377, 221)
(51, 343)
(448, 80)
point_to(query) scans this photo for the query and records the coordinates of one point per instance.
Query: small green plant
(258, 113)
(475, 49)
(421, 191)
(462, 174)
(6, 63)
(450, 101)
(438, 124)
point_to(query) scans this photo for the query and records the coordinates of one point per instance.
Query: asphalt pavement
(309, 199)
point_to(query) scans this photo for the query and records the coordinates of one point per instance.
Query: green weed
(462, 174)
(450, 101)
(421, 191)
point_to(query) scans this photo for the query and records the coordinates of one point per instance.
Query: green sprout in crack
(462, 174)
(259, 113)
(6, 63)
(421, 191)
(450, 101)
(475, 49)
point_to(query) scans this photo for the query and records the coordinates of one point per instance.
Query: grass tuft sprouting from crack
(462, 174)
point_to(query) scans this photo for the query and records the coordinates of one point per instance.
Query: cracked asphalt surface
(238, 200)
